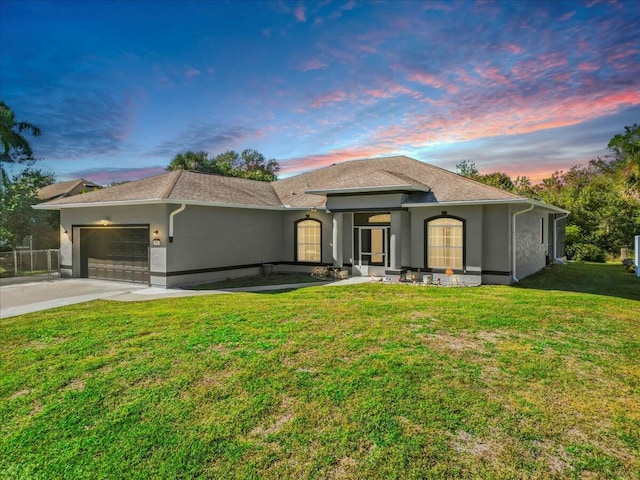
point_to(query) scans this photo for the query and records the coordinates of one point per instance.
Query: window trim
(295, 240)
(426, 243)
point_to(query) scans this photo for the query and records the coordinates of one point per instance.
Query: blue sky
(119, 87)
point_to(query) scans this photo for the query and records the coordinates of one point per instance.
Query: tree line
(602, 196)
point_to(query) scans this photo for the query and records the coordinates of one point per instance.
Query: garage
(115, 253)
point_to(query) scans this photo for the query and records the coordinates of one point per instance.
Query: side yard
(541, 380)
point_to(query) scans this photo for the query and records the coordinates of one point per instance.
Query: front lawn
(541, 380)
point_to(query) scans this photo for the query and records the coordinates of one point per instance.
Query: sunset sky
(119, 87)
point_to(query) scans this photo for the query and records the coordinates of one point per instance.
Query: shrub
(585, 252)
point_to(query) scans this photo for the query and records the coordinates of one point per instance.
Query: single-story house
(381, 216)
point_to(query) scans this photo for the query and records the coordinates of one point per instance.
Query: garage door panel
(117, 253)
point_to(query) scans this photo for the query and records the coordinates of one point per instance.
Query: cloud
(191, 72)
(300, 13)
(313, 64)
(83, 122)
(209, 137)
(106, 175)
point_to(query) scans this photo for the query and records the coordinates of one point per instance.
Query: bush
(585, 252)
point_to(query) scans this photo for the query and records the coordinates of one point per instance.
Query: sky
(119, 88)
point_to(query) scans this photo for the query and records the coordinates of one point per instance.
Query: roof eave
(166, 201)
(488, 202)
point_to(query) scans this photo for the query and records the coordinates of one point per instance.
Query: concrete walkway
(17, 298)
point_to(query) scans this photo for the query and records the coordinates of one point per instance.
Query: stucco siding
(211, 237)
(71, 221)
(287, 252)
(531, 244)
(496, 245)
(364, 202)
(473, 217)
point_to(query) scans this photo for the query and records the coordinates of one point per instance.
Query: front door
(371, 249)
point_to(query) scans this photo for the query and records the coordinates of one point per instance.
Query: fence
(29, 262)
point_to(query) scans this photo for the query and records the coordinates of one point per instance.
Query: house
(380, 216)
(66, 189)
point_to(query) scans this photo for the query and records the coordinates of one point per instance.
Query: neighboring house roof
(66, 189)
(425, 184)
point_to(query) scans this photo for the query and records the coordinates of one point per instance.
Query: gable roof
(425, 185)
(64, 189)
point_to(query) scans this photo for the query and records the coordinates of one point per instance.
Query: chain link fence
(29, 262)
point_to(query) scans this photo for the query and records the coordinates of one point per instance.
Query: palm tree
(15, 147)
(194, 161)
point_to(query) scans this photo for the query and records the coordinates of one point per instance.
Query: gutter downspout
(171, 215)
(513, 236)
(555, 236)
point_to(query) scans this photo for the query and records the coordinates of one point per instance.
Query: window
(308, 241)
(542, 230)
(445, 243)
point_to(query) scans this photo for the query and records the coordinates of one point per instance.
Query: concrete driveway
(20, 298)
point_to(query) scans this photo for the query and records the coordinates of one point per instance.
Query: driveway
(19, 298)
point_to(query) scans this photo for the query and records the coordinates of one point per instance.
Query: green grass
(259, 280)
(541, 380)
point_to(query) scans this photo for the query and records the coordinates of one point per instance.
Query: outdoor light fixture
(156, 240)
(105, 222)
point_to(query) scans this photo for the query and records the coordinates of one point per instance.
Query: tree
(15, 147)
(193, 161)
(249, 164)
(17, 217)
(626, 150)
(468, 169)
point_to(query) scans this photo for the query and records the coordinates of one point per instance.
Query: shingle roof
(63, 189)
(403, 173)
(183, 185)
(445, 186)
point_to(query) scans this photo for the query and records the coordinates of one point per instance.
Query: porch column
(337, 240)
(396, 241)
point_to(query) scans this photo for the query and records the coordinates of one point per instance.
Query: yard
(369, 381)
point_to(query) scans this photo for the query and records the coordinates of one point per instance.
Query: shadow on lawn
(608, 279)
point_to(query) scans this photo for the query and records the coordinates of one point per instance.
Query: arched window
(445, 242)
(308, 240)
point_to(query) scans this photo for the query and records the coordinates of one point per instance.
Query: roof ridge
(464, 178)
(172, 183)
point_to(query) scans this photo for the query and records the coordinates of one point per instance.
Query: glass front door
(371, 246)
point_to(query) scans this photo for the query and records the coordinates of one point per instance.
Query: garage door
(115, 253)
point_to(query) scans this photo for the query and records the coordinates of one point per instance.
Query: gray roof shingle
(402, 172)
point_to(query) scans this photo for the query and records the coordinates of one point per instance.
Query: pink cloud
(567, 16)
(513, 48)
(509, 115)
(588, 67)
(329, 98)
(300, 13)
(313, 64)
